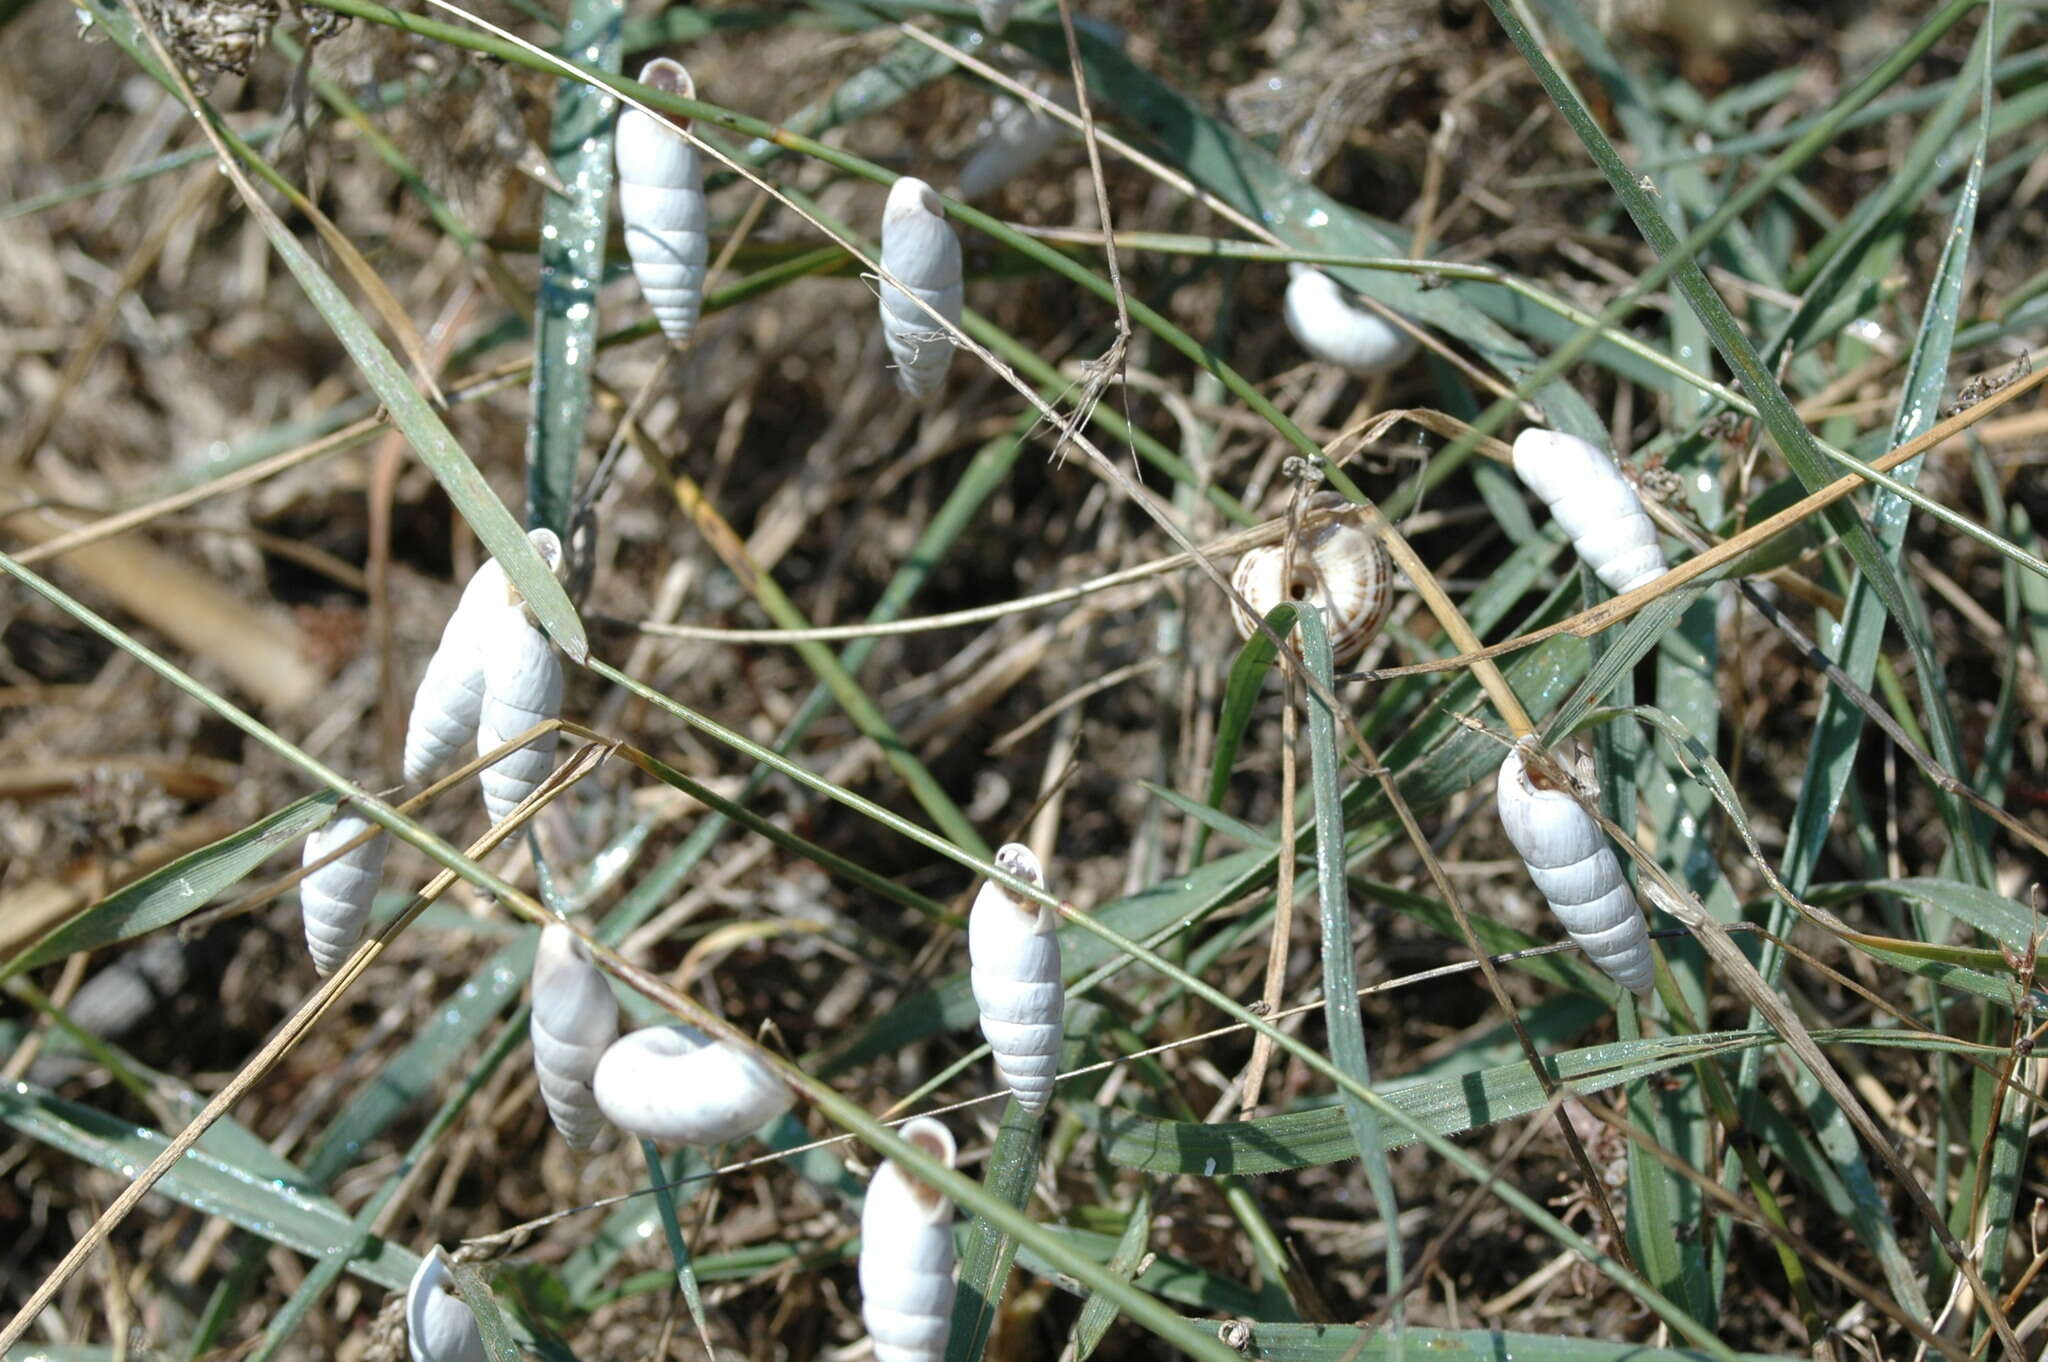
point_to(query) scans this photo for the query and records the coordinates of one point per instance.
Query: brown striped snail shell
(1339, 566)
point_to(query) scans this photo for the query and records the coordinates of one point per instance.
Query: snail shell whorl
(662, 207)
(575, 1018)
(438, 1326)
(906, 1256)
(1594, 504)
(522, 687)
(674, 1084)
(1577, 873)
(1336, 330)
(334, 901)
(920, 248)
(1015, 136)
(1014, 951)
(1340, 567)
(451, 693)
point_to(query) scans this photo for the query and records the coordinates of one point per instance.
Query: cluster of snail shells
(1339, 567)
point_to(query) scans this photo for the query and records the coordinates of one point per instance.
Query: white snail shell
(334, 901)
(1014, 951)
(1015, 136)
(1336, 330)
(522, 687)
(438, 1326)
(1340, 568)
(1594, 504)
(674, 1084)
(920, 248)
(575, 1018)
(661, 204)
(906, 1256)
(1577, 874)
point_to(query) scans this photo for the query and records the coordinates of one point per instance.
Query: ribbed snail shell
(334, 901)
(1340, 568)
(674, 1084)
(1014, 952)
(575, 1018)
(906, 1255)
(438, 1326)
(1594, 504)
(661, 204)
(1337, 330)
(920, 248)
(522, 687)
(1014, 137)
(1577, 873)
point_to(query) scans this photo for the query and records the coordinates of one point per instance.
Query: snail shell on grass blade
(1014, 950)
(1336, 330)
(334, 901)
(438, 1326)
(1340, 567)
(676, 1085)
(906, 1256)
(1594, 504)
(662, 206)
(920, 248)
(575, 1019)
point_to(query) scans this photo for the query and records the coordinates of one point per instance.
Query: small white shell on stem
(1336, 330)
(674, 1084)
(1015, 137)
(1014, 952)
(1340, 568)
(1576, 872)
(438, 1326)
(575, 1018)
(522, 687)
(662, 207)
(906, 1255)
(920, 248)
(334, 901)
(1594, 504)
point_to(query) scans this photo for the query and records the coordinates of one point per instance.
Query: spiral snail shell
(661, 204)
(1594, 504)
(575, 1018)
(1576, 872)
(1336, 330)
(1014, 950)
(674, 1084)
(906, 1255)
(438, 1325)
(920, 248)
(522, 687)
(334, 900)
(1340, 568)
(1015, 136)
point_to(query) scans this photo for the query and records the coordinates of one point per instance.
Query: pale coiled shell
(1577, 873)
(1594, 504)
(1014, 137)
(1340, 568)
(1014, 952)
(575, 1019)
(522, 687)
(906, 1256)
(334, 901)
(1336, 330)
(920, 248)
(438, 1326)
(451, 693)
(661, 205)
(674, 1084)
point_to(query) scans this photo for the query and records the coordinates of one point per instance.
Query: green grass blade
(1098, 1314)
(1341, 1343)
(985, 1266)
(1240, 697)
(572, 242)
(476, 1293)
(678, 1248)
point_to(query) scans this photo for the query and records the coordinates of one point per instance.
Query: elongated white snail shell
(451, 694)
(575, 1018)
(522, 687)
(438, 1326)
(1336, 330)
(1340, 568)
(1577, 874)
(1014, 137)
(674, 1084)
(1594, 504)
(1014, 954)
(334, 901)
(661, 204)
(906, 1255)
(920, 248)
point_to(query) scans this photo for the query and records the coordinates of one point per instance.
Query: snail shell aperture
(1340, 567)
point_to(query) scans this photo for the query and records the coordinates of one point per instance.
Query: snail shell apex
(438, 1325)
(662, 206)
(1330, 326)
(1568, 858)
(1340, 568)
(1593, 504)
(906, 1255)
(334, 901)
(920, 248)
(575, 1019)
(676, 1085)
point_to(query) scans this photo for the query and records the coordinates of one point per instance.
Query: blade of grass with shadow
(1097, 1315)
(985, 1265)
(1240, 695)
